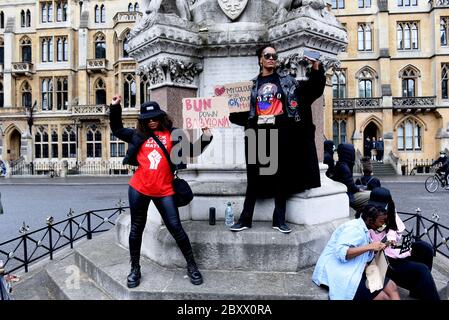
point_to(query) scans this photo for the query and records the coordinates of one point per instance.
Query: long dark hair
(391, 216)
(165, 122)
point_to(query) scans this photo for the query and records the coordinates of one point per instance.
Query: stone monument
(186, 47)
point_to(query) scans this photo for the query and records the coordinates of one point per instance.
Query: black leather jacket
(136, 139)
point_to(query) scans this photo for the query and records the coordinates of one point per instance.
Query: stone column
(9, 46)
(83, 91)
(170, 98)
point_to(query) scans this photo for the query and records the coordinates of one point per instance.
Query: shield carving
(232, 8)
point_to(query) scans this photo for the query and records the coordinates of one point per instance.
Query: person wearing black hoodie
(343, 173)
(329, 157)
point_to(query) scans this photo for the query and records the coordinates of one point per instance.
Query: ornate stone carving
(172, 71)
(232, 8)
(291, 64)
(331, 63)
(152, 7)
(294, 65)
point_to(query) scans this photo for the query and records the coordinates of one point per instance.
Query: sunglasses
(269, 56)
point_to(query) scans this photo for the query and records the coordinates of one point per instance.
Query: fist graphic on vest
(154, 158)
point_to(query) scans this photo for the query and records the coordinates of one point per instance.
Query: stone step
(68, 282)
(383, 169)
(260, 248)
(108, 265)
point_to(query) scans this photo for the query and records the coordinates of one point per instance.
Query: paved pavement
(34, 199)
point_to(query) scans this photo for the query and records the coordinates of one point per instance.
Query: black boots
(135, 275)
(193, 272)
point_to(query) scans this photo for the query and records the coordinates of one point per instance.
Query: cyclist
(443, 169)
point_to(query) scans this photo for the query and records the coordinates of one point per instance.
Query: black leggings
(139, 203)
(414, 272)
(280, 206)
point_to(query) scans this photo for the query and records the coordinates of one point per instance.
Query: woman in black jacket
(282, 105)
(153, 179)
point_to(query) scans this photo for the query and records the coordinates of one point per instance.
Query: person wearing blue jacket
(341, 265)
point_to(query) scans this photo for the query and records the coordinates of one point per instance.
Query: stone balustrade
(22, 68)
(123, 17)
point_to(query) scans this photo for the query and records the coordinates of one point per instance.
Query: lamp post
(29, 113)
(76, 124)
(29, 110)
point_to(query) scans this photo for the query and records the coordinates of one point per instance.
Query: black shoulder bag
(183, 193)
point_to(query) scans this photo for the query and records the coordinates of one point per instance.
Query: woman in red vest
(153, 179)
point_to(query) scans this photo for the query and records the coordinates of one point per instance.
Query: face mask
(382, 228)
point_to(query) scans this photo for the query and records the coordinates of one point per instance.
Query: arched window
(407, 35)
(50, 50)
(44, 12)
(366, 81)
(25, 49)
(129, 91)
(28, 18)
(50, 12)
(47, 94)
(26, 92)
(62, 49)
(130, 7)
(444, 31)
(44, 52)
(22, 19)
(2, 20)
(144, 89)
(339, 131)
(409, 135)
(365, 39)
(125, 46)
(1, 96)
(62, 93)
(59, 48)
(136, 7)
(103, 13)
(41, 143)
(97, 14)
(117, 147)
(59, 12)
(69, 142)
(65, 48)
(409, 80)
(100, 92)
(100, 46)
(339, 84)
(64, 11)
(54, 143)
(93, 142)
(445, 81)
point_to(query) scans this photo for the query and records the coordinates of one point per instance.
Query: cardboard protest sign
(210, 112)
(238, 95)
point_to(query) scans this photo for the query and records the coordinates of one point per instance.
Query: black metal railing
(428, 230)
(54, 169)
(29, 247)
(416, 166)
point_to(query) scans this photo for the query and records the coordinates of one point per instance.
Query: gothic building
(393, 80)
(61, 61)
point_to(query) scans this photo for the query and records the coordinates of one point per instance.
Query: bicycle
(433, 182)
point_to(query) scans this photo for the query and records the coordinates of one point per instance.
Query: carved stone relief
(172, 71)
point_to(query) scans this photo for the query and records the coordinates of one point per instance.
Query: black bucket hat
(380, 198)
(150, 110)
